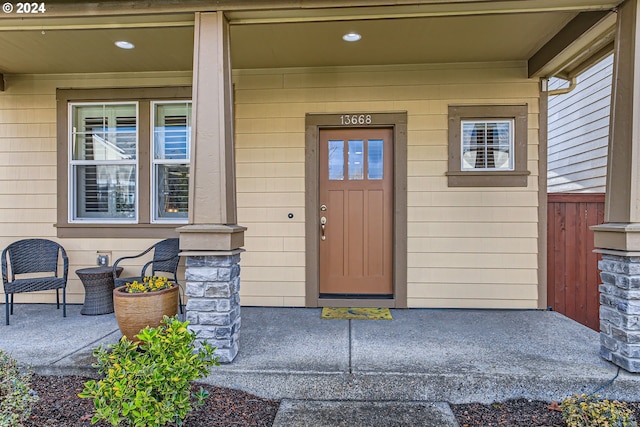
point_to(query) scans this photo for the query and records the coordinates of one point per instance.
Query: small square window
(487, 146)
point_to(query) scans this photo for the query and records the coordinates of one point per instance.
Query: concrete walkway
(340, 372)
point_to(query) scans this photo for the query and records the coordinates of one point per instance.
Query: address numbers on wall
(356, 119)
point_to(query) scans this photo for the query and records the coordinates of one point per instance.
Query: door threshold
(356, 296)
(357, 302)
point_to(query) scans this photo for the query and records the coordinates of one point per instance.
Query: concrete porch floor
(423, 355)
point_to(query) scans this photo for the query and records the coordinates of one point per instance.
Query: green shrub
(149, 384)
(590, 411)
(16, 396)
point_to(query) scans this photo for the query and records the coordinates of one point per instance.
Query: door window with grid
(357, 151)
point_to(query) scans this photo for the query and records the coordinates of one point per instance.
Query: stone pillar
(213, 309)
(619, 239)
(620, 311)
(211, 241)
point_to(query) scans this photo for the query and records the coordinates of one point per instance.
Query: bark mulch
(515, 413)
(59, 406)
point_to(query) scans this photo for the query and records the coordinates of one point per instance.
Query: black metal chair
(28, 256)
(165, 260)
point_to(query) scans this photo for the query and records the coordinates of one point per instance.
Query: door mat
(351, 313)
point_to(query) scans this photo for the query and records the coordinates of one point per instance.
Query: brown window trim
(144, 96)
(515, 178)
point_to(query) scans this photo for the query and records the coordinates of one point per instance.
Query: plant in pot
(149, 383)
(141, 304)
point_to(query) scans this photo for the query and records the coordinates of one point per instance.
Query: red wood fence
(572, 267)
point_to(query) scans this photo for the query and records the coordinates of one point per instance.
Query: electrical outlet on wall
(103, 258)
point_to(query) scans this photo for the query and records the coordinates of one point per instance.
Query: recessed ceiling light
(123, 44)
(351, 37)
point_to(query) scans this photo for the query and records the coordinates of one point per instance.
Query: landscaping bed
(59, 406)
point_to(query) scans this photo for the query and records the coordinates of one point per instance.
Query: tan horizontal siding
(257, 214)
(35, 85)
(472, 198)
(270, 154)
(492, 260)
(456, 93)
(26, 201)
(483, 240)
(267, 140)
(483, 303)
(465, 277)
(269, 170)
(272, 301)
(470, 245)
(273, 259)
(438, 182)
(271, 184)
(437, 74)
(473, 213)
(281, 288)
(467, 247)
(473, 229)
(28, 194)
(479, 290)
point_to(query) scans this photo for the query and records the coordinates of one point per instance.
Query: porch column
(619, 239)
(212, 241)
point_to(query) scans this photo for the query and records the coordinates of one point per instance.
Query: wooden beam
(623, 183)
(212, 192)
(563, 41)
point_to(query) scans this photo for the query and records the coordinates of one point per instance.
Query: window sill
(139, 231)
(488, 178)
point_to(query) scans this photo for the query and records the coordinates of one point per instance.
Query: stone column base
(620, 310)
(213, 309)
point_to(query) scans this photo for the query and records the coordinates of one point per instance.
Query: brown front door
(356, 212)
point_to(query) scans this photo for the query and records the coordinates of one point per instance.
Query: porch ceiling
(165, 42)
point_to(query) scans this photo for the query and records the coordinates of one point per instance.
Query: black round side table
(98, 289)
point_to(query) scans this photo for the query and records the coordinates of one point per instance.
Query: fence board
(572, 267)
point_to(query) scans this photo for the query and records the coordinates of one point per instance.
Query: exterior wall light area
(123, 44)
(351, 37)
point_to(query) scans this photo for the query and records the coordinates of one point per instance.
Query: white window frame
(153, 162)
(72, 183)
(511, 123)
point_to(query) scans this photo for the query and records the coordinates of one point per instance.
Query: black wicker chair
(165, 260)
(29, 256)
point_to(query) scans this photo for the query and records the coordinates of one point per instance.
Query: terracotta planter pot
(134, 312)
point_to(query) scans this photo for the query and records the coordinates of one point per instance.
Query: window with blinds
(487, 145)
(104, 181)
(171, 148)
(103, 162)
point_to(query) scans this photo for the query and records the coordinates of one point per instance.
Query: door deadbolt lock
(323, 208)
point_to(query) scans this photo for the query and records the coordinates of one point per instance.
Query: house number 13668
(355, 119)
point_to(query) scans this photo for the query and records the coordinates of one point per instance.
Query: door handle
(323, 222)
